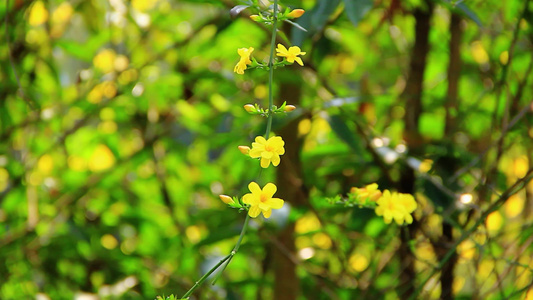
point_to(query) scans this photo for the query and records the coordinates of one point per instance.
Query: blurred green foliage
(120, 121)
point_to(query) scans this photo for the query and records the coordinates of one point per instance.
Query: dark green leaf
(314, 21)
(338, 125)
(469, 13)
(357, 9)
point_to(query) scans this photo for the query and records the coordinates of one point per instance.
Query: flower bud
(289, 108)
(244, 149)
(296, 13)
(226, 199)
(255, 18)
(249, 108)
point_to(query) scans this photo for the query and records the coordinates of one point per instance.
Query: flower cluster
(291, 55)
(268, 150)
(260, 200)
(396, 206)
(367, 193)
(391, 205)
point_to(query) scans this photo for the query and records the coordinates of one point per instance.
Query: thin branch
(515, 188)
(12, 61)
(475, 161)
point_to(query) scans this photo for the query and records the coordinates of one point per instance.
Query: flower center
(269, 148)
(263, 198)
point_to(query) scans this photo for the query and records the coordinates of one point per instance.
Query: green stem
(225, 261)
(199, 282)
(243, 231)
(271, 70)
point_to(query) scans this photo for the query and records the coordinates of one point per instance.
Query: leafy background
(120, 121)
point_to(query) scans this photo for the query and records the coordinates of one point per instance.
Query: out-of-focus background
(120, 121)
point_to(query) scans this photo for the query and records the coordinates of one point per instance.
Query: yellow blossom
(38, 14)
(369, 192)
(244, 149)
(296, 13)
(226, 199)
(291, 55)
(289, 108)
(244, 61)
(261, 201)
(249, 108)
(269, 151)
(396, 206)
(255, 18)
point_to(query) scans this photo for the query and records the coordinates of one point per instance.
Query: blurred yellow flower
(244, 149)
(143, 5)
(291, 55)
(369, 192)
(249, 108)
(105, 60)
(38, 14)
(296, 13)
(244, 61)
(396, 206)
(269, 151)
(261, 201)
(101, 159)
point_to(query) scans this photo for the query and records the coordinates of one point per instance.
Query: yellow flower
(244, 149)
(269, 151)
(249, 108)
(296, 13)
(226, 199)
(261, 201)
(255, 18)
(369, 192)
(245, 60)
(291, 55)
(396, 206)
(289, 108)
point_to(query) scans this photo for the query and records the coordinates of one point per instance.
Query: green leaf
(469, 13)
(357, 9)
(314, 21)
(296, 25)
(338, 125)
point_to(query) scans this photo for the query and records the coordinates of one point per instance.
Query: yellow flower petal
(276, 203)
(270, 189)
(261, 140)
(267, 213)
(275, 159)
(254, 211)
(254, 188)
(282, 51)
(255, 153)
(267, 154)
(248, 199)
(265, 163)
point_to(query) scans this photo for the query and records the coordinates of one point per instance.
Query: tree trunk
(291, 189)
(412, 95)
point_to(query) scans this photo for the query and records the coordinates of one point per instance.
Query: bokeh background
(120, 121)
